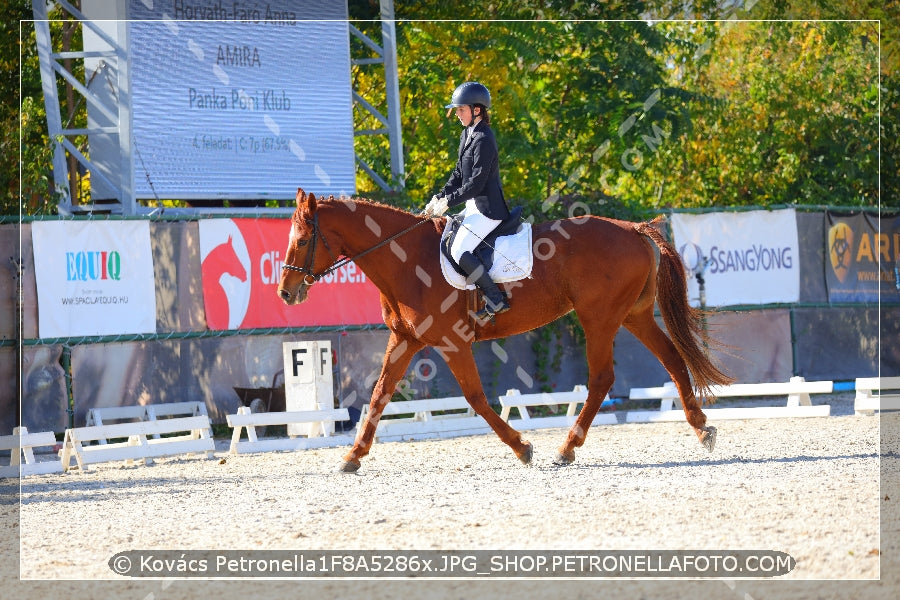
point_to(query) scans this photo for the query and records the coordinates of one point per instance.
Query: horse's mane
(348, 200)
(351, 202)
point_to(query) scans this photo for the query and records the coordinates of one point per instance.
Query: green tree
(24, 119)
(788, 113)
(36, 185)
(624, 116)
(633, 115)
(885, 32)
(561, 89)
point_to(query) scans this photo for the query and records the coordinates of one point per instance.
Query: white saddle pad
(513, 260)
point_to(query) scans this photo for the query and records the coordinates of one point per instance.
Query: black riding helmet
(470, 93)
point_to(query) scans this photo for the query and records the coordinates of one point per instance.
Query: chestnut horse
(609, 272)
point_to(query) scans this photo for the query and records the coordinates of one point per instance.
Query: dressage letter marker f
(296, 360)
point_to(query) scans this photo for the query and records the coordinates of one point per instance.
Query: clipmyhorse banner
(751, 257)
(241, 266)
(94, 278)
(862, 258)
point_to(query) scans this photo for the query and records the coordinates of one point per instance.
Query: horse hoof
(564, 459)
(709, 440)
(349, 466)
(526, 455)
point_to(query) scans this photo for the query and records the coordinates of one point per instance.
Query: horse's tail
(683, 322)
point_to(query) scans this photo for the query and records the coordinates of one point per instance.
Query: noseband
(310, 276)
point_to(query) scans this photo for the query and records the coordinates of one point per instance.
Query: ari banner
(94, 278)
(743, 258)
(241, 266)
(862, 258)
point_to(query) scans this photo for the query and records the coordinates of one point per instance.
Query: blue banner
(862, 258)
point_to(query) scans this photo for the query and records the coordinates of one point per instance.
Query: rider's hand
(436, 207)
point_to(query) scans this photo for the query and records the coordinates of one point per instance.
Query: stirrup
(490, 310)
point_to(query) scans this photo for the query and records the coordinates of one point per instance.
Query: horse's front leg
(462, 364)
(397, 357)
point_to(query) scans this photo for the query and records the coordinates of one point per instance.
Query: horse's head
(231, 263)
(306, 256)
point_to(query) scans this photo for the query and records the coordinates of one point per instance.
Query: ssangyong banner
(749, 257)
(94, 278)
(862, 261)
(241, 266)
(240, 99)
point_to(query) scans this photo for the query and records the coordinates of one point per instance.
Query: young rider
(476, 182)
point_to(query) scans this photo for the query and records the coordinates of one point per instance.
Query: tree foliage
(36, 165)
(596, 111)
(630, 116)
(882, 23)
(23, 118)
(788, 114)
(561, 89)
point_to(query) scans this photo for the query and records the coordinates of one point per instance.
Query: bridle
(310, 276)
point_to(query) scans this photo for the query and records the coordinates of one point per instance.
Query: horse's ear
(306, 203)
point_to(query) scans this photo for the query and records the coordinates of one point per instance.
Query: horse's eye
(302, 242)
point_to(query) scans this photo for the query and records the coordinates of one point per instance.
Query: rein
(310, 277)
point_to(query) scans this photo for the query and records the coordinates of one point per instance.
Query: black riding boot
(495, 301)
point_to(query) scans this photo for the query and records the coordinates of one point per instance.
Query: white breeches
(475, 227)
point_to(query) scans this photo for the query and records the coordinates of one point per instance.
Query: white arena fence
(184, 360)
(162, 430)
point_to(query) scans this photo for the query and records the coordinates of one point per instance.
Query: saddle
(506, 251)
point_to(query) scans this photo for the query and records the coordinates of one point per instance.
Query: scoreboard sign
(240, 100)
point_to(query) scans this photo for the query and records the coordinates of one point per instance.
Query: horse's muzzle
(291, 298)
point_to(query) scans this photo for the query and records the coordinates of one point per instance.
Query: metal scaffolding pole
(386, 55)
(392, 85)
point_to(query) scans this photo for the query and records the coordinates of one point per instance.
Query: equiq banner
(862, 258)
(94, 278)
(750, 257)
(241, 267)
(240, 99)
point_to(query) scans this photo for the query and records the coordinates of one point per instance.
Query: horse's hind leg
(462, 364)
(397, 357)
(600, 380)
(645, 329)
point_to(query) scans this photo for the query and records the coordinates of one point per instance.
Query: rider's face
(464, 114)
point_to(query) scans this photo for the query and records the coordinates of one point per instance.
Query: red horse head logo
(221, 263)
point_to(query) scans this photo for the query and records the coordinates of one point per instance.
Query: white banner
(94, 278)
(749, 257)
(240, 99)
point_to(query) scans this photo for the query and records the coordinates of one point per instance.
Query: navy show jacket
(477, 174)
